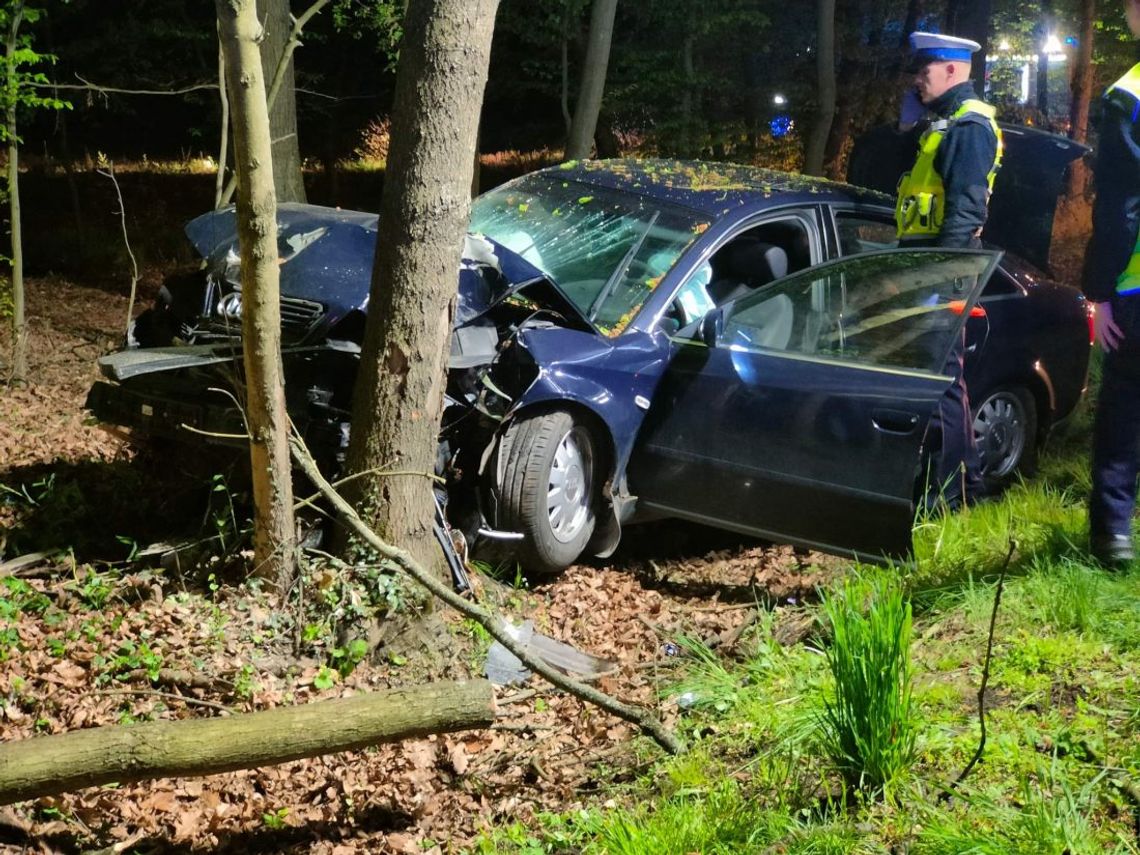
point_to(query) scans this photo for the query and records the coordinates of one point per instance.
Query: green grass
(868, 729)
(1062, 707)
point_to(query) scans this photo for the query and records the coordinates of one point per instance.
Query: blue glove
(912, 111)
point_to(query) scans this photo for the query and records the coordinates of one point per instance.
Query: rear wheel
(1005, 429)
(549, 489)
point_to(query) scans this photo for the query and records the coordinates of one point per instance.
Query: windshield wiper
(619, 271)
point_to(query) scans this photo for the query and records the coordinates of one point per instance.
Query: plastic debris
(503, 668)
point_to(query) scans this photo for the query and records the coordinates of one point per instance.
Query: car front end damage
(181, 374)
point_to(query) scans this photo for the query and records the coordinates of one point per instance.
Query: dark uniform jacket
(1116, 212)
(964, 161)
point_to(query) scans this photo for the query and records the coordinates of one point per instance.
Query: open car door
(799, 412)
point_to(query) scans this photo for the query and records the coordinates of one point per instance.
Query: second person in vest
(943, 201)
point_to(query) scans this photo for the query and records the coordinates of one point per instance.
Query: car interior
(746, 263)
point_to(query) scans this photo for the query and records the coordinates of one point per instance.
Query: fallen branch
(45, 765)
(986, 672)
(495, 625)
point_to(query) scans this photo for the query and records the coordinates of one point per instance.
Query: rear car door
(799, 412)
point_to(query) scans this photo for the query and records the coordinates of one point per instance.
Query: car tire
(548, 490)
(1005, 430)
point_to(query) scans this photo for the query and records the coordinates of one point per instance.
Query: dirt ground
(151, 644)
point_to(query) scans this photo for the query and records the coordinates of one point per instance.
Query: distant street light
(779, 100)
(1005, 45)
(1052, 44)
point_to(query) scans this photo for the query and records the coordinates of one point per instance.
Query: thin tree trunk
(566, 117)
(914, 9)
(283, 72)
(593, 85)
(46, 765)
(1082, 95)
(825, 65)
(972, 21)
(19, 321)
(224, 143)
(274, 533)
(288, 181)
(398, 399)
(688, 96)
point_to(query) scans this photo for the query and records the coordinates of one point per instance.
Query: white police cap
(934, 47)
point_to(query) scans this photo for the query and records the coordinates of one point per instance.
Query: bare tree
(825, 65)
(593, 85)
(287, 178)
(1082, 94)
(274, 533)
(398, 399)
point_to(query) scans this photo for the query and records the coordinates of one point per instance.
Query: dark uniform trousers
(1116, 444)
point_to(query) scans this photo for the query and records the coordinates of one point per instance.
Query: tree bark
(288, 181)
(593, 85)
(398, 398)
(914, 9)
(224, 141)
(45, 765)
(274, 531)
(1082, 95)
(19, 320)
(972, 21)
(825, 65)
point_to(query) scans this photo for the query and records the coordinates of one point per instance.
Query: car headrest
(754, 262)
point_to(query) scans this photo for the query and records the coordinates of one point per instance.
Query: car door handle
(900, 422)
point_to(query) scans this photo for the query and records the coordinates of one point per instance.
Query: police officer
(943, 201)
(1112, 283)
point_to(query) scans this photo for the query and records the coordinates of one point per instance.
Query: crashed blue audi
(644, 339)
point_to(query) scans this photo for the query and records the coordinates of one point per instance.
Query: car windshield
(605, 249)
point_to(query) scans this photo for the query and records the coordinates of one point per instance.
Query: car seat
(743, 266)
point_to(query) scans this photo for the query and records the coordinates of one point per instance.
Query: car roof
(713, 189)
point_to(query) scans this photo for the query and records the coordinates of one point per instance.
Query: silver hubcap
(569, 490)
(999, 429)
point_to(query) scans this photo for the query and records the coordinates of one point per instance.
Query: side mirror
(711, 327)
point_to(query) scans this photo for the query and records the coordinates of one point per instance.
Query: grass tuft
(868, 727)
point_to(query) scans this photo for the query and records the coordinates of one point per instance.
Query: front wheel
(1005, 430)
(549, 489)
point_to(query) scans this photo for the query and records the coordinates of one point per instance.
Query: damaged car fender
(612, 387)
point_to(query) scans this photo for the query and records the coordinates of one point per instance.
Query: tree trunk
(914, 10)
(565, 94)
(288, 181)
(1082, 95)
(19, 321)
(825, 65)
(688, 97)
(593, 84)
(972, 21)
(224, 141)
(274, 531)
(46, 765)
(398, 399)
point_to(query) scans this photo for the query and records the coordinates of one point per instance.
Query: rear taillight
(1090, 316)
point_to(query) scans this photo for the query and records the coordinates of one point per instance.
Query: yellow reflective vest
(921, 204)
(1129, 281)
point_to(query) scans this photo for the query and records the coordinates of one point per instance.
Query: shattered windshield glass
(606, 250)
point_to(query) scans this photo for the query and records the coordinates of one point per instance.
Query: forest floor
(102, 631)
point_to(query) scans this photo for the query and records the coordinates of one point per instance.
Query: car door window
(895, 309)
(859, 233)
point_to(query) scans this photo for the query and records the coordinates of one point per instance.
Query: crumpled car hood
(326, 256)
